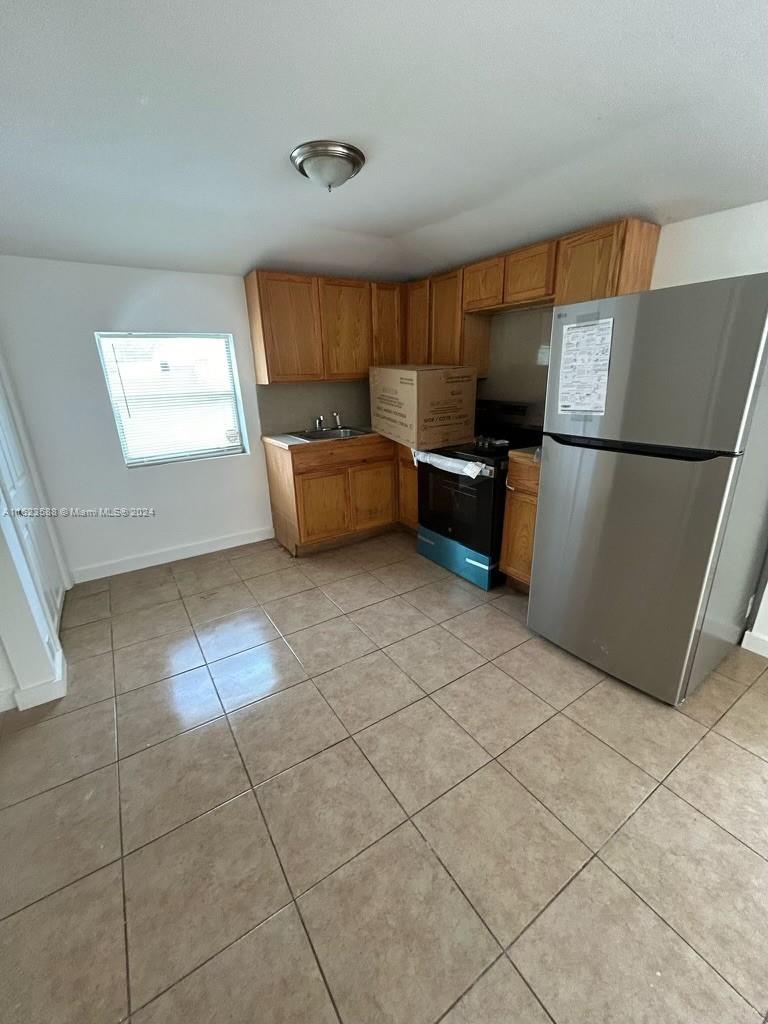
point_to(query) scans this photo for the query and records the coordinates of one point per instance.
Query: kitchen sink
(330, 433)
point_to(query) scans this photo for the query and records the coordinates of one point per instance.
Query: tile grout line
(659, 783)
(682, 938)
(409, 818)
(122, 846)
(289, 889)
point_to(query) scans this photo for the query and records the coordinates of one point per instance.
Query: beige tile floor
(356, 789)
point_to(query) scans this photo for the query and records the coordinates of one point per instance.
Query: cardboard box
(424, 406)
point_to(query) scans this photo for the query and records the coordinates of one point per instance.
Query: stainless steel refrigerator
(652, 520)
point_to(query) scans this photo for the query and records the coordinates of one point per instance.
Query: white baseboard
(174, 554)
(756, 643)
(51, 689)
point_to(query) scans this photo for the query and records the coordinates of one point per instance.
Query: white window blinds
(174, 396)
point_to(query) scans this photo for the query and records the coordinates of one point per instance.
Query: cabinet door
(417, 323)
(323, 505)
(529, 273)
(484, 284)
(284, 312)
(373, 495)
(517, 539)
(408, 494)
(387, 324)
(588, 264)
(345, 317)
(445, 318)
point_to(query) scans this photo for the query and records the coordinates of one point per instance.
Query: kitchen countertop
(528, 454)
(290, 440)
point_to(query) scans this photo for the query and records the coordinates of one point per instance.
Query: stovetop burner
(485, 444)
(490, 450)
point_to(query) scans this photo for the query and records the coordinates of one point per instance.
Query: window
(174, 396)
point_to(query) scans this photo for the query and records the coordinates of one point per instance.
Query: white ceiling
(156, 132)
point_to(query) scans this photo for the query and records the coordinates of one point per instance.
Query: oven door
(458, 507)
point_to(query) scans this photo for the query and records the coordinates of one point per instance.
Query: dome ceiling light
(328, 163)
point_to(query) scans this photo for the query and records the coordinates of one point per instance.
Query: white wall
(49, 311)
(725, 244)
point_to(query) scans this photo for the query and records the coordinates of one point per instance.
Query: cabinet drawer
(320, 455)
(523, 476)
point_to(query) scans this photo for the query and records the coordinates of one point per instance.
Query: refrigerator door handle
(655, 451)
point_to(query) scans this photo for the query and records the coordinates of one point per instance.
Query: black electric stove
(461, 515)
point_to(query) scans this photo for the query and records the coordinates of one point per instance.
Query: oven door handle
(459, 467)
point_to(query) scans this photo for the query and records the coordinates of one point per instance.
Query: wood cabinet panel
(588, 264)
(517, 540)
(417, 323)
(483, 284)
(529, 273)
(372, 490)
(345, 319)
(476, 342)
(408, 494)
(323, 503)
(638, 255)
(320, 455)
(387, 302)
(445, 318)
(284, 314)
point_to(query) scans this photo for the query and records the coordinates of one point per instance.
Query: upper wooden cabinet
(611, 259)
(445, 318)
(417, 322)
(484, 284)
(345, 319)
(307, 328)
(284, 313)
(387, 300)
(529, 273)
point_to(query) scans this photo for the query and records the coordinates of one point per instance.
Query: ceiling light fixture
(328, 163)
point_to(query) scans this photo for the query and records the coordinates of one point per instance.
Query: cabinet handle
(509, 488)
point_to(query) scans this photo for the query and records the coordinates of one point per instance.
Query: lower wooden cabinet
(372, 493)
(330, 489)
(407, 489)
(520, 517)
(323, 505)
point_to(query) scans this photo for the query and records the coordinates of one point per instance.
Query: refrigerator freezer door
(624, 552)
(683, 362)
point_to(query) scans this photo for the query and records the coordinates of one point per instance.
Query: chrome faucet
(336, 420)
(319, 423)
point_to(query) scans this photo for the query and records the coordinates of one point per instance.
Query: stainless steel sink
(330, 433)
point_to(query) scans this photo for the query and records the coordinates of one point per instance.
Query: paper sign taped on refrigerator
(584, 364)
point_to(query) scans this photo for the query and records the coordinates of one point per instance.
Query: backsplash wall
(286, 407)
(519, 357)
